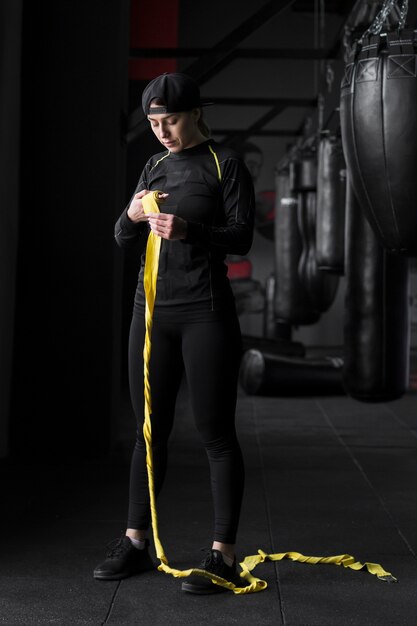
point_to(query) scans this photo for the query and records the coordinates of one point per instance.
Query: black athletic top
(210, 186)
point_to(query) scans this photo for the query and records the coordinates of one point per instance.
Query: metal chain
(387, 8)
(376, 26)
(403, 14)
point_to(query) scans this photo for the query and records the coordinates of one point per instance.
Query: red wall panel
(153, 25)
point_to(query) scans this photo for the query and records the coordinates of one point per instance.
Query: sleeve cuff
(127, 224)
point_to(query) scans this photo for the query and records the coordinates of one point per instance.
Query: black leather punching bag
(376, 324)
(292, 300)
(378, 114)
(267, 374)
(331, 203)
(321, 286)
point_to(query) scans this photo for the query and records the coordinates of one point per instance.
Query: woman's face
(176, 131)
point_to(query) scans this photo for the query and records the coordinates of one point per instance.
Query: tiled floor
(326, 475)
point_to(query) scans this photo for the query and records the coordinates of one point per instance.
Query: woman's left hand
(168, 226)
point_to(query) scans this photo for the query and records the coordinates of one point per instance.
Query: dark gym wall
(10, 43)
(67, 348)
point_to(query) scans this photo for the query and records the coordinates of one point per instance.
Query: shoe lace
(212, 562)
(116, 547)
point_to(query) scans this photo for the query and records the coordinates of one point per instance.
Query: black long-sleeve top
(216, 198)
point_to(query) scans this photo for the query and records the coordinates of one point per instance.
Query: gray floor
(326, 475)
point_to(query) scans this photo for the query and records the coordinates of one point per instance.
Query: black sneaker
(123, 560)
(213, 562)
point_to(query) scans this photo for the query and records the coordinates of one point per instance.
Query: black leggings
(210, 353)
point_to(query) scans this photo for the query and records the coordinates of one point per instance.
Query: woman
(207, 213)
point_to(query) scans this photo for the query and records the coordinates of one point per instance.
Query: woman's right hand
(135, 211)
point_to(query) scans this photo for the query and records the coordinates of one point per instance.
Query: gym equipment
(378, 115)
(273, 327)
(303, 170)
(376, 322)
(267, 374)
(331, 202)
(292, 300)
(269, 319)
(299, 290)
(321, 286)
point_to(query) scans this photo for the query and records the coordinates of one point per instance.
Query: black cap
(179, 92)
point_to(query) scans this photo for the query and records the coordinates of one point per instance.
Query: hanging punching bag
(273, 327)
(331, 203)
(303, 170)
(376, 323)
(378, 114)
(292, 300)
(321, 287)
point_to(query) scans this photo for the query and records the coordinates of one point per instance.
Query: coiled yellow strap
(250, 584)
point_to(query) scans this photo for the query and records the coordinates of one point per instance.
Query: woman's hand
(168, 226)
(135, 211)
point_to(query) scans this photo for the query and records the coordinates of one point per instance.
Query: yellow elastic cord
(150, 205)
(346, 560)
(250, 584)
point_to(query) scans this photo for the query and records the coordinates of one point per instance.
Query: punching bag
(378, 114)
(267, 374)
(331, 203)
(273, 327)
(376, 323)
(303, 171)
(321, 286)
(292, 300)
